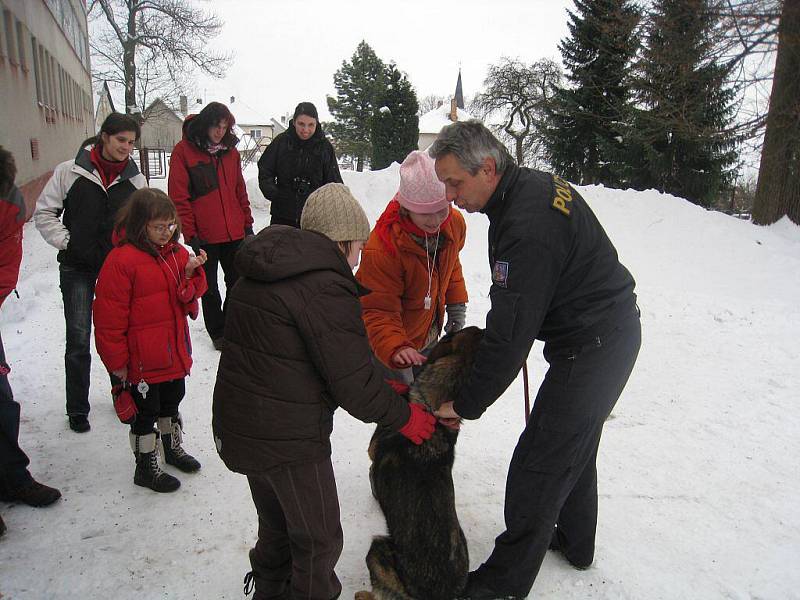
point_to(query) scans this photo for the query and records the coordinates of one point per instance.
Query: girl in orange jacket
(411, 265)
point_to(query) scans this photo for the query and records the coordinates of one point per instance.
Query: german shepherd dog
(424, 557)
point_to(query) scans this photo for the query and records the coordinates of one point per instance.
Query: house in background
(45, 87)
(254, 123)
(431, 123)
(162, 126)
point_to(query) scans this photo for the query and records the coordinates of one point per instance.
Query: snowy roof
(433, 121)
(244, 113)
(166, 108)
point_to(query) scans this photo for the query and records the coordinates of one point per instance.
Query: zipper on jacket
(221, 199)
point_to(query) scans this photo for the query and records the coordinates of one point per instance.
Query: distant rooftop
(433, 121)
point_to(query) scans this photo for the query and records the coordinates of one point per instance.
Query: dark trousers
(273, 220)
(13, 461)
(213, 307)
(162, 400)
(552, 479)
(77, 292)
(299, 532)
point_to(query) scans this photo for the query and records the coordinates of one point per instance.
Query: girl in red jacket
(411, 265)
(206, 183)
(147, 286)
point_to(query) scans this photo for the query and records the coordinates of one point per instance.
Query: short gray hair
(471, 143)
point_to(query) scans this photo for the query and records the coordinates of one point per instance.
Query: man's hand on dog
(406, 357)
(447, 416)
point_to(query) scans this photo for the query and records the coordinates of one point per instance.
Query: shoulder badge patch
(562, 196)
(500, 273)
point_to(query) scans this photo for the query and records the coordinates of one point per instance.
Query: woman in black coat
(297, 162)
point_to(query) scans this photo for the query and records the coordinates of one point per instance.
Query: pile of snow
(698, 469)
(257, 200)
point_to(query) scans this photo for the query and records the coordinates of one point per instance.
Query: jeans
(77, 291)
(13, 461)
(213, 307)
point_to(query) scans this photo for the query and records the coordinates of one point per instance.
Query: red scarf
(391, 215)
(108, 170)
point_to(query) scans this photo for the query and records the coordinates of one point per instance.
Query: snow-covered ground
(699, 477)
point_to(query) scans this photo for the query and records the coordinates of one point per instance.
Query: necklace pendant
(427, 302)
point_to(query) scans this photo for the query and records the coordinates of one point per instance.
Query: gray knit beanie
(333, 211)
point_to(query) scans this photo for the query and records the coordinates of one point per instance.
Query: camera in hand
(302, 187)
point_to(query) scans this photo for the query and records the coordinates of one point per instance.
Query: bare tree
(778, 191)
(429, 102)
(518, 94)
(747, 40)
(149, 46)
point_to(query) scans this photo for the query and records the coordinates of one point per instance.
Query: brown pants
(299, 532)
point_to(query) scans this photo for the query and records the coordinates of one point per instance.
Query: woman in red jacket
(206, 184)
(411, 265)
(147, 286)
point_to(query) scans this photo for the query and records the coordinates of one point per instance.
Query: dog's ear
(442, 348)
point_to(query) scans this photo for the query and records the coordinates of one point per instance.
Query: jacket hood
(282, 252)
(185, 126)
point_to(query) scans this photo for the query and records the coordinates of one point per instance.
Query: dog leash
(527, 395)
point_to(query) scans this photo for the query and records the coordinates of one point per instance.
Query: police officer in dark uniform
(555, 277)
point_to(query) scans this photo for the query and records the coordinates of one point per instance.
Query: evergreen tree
(681, 142)
(358, 85)
(395, 124)
(585, 137)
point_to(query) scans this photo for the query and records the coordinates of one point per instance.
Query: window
(62, 88)
(46, 85)
(51, 88)
(2, 37)
(21, 37)
(73, 99)
(255, 134)
(11, 44)
(53, 81)
(36, 70)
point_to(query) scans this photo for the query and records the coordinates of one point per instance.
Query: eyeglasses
(163, 228)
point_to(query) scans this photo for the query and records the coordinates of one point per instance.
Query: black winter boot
(33, 494)
(171, 429)
(148, 474)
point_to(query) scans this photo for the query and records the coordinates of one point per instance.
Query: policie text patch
(500, 273)
(562, 196)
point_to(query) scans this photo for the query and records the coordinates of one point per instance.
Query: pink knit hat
(420, 191)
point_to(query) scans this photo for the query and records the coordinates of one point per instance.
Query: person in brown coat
(296, 349)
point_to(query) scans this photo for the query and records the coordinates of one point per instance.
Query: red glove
(420, 424)
(124, 403)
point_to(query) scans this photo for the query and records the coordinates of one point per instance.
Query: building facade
(162, 127)
(45, 86)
